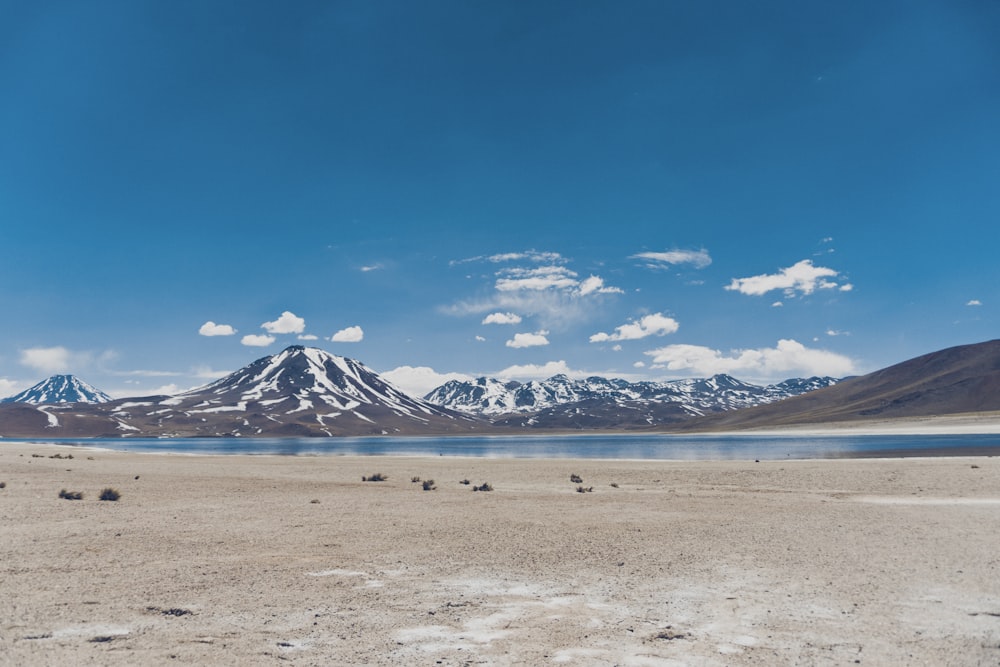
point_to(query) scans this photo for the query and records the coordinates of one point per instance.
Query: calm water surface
(649, 446)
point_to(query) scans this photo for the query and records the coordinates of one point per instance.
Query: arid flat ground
(243, 560)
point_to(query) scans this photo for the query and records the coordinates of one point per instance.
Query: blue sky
(451, 188)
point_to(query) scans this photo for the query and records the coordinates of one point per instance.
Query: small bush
(614, 485)
(314, 501)
(415, 480)
(465, 481)
(377, 477)
(576, 479)
(429, 485)
(109, 494)
(584, 489)
(71, 495)
(3, 485)
(485, 486)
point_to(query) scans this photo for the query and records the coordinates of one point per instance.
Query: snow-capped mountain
(299, 391)
(695, 397)
(60, 389)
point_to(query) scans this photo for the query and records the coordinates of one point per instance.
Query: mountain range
(597, 402)
(309, 392)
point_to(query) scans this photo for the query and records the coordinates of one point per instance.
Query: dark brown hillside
(960, 379)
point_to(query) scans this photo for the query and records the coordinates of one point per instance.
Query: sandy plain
(259, 560)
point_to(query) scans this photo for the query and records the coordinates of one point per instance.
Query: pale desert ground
(243, 560)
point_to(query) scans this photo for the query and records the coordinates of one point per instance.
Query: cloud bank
(788, 358)
(420, 380)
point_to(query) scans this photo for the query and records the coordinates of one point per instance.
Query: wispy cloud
(210, 328)
(372, 267)
(288, 323)
(802, 278)
(540, 278)
(974, 302)
(655, 324)
(788, 358)
(353, 334)
(528, 339)
(659, 260)
(552, 293)
(524, 256)
(307, 337)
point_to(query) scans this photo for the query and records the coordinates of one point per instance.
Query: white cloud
(834, 332)
(655, 324)
(420, 380)
(371, 267)
(596, 284)
(529, 339)
(639, 364)
(616, 348)
(210, 328)
(48, 359)
(480, 339)
(288, 323)
(165, 390)
(538, 372)
(656, 260)
(349, 335)
(789, 358)
(11, 387)
(502, 318)
(974, 302)
(777, 304)
(255, 340)
(802, 277)
(207, 373)
(307, 337)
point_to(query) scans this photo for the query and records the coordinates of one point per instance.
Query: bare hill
(963, 379)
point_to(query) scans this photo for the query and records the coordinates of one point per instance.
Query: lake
(588, 446)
